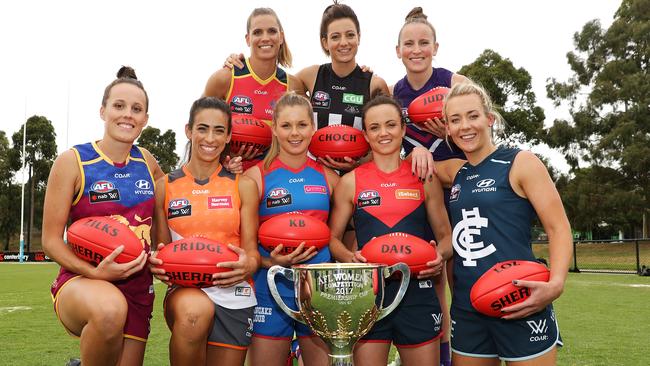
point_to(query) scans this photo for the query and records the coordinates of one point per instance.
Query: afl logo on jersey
(455, 193)
(320, 99)
(485, 185)
(368, 198)
(278, 197)
(103, 191)
(241, 104)
(179, 207)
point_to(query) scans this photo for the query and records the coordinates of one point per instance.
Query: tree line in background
(605, 140)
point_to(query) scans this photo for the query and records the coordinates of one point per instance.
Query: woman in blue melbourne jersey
(495, 195)
(289, 170)
(107, 306)
(416, 324)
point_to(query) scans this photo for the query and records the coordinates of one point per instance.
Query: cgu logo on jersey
(278, 197)
(103, 191)
(320, 100)
(350, 98)
(368, 198)
(485, 185)
(179, 207)
(241, 104)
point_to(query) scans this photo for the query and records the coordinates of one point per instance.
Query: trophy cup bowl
(340, 302)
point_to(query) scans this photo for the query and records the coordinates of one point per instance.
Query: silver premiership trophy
(340, 302)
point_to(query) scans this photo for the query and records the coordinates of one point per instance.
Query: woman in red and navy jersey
(254, 88)
(400, 203)
(107, 306)
(306, 187)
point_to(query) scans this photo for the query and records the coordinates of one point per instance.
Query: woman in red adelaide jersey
(254, 88)
(108, 306)
(398, 202)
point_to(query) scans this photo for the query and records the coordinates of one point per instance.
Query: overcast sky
(56, 57)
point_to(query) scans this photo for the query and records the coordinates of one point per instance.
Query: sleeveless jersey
(208, 208)
(249, 94)
(124, 192)
(338, 100)
(490, 222)
(387, 202)
(403, 92)
(285, 190)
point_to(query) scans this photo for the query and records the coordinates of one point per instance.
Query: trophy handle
(406, 277)
(270, 278)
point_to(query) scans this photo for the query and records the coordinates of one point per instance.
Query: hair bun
(416, 13)
(126, 72)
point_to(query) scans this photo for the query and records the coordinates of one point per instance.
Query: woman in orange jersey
(254, 88)
(212, 324)
(287, 168)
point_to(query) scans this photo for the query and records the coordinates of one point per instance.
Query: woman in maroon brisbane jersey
(107, 306)
(254, 87)
(383, 196)
(495, 195)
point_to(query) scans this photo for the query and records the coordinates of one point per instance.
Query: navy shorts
(476, 335)
(271, 322)
(416, 321)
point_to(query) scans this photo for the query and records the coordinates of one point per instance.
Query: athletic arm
(218, 84)
(342, 210)
(378, 86)
(296, 85)
(152, 163)
(458, 79)
(530, 179)
(391, 88)
(446, 171)
(307, 77)
(437, 217)
(332, 178)
(160, 226)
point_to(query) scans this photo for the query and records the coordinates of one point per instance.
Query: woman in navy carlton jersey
(107, 306)
(404, 204)
(212, 325)
(495, 194)
(254, 87)
(416, 47)
(308, 184)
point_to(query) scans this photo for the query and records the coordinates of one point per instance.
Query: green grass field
(604, 320)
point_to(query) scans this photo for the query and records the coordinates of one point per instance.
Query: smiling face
(417, 47)
(342, 40)
(384, 130)
(468, 124)
(208, 134)
(264, 37)
(124, 113)
(293, 128)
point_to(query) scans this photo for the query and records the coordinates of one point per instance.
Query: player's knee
(110, 316)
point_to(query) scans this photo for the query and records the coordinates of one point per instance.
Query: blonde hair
(416, 16)
(289, 99)
(471, 88)
(284, 55)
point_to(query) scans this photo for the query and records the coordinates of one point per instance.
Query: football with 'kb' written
(191, 262)
(93, 238)
(400, 247)
(428, 105)
(291, 229)
(338, 141)
(494, 290)
(249, 131)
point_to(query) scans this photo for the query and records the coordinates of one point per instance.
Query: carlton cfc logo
(278, 193)
(241, 100)
(102, 186)
(178, 203)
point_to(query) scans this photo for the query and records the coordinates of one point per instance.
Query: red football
(338, 141)
(191, 262)
(95, 237)
(291, 229)
(428, 105)
(494, 289)
(249, 131)
(400, 247)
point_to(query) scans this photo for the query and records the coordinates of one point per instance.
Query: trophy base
(341, 360)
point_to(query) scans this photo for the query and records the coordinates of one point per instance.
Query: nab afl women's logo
(241, 104)
(368, 198)
(320, 99)
(103, 191)
(179, 207)
(278, 197)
